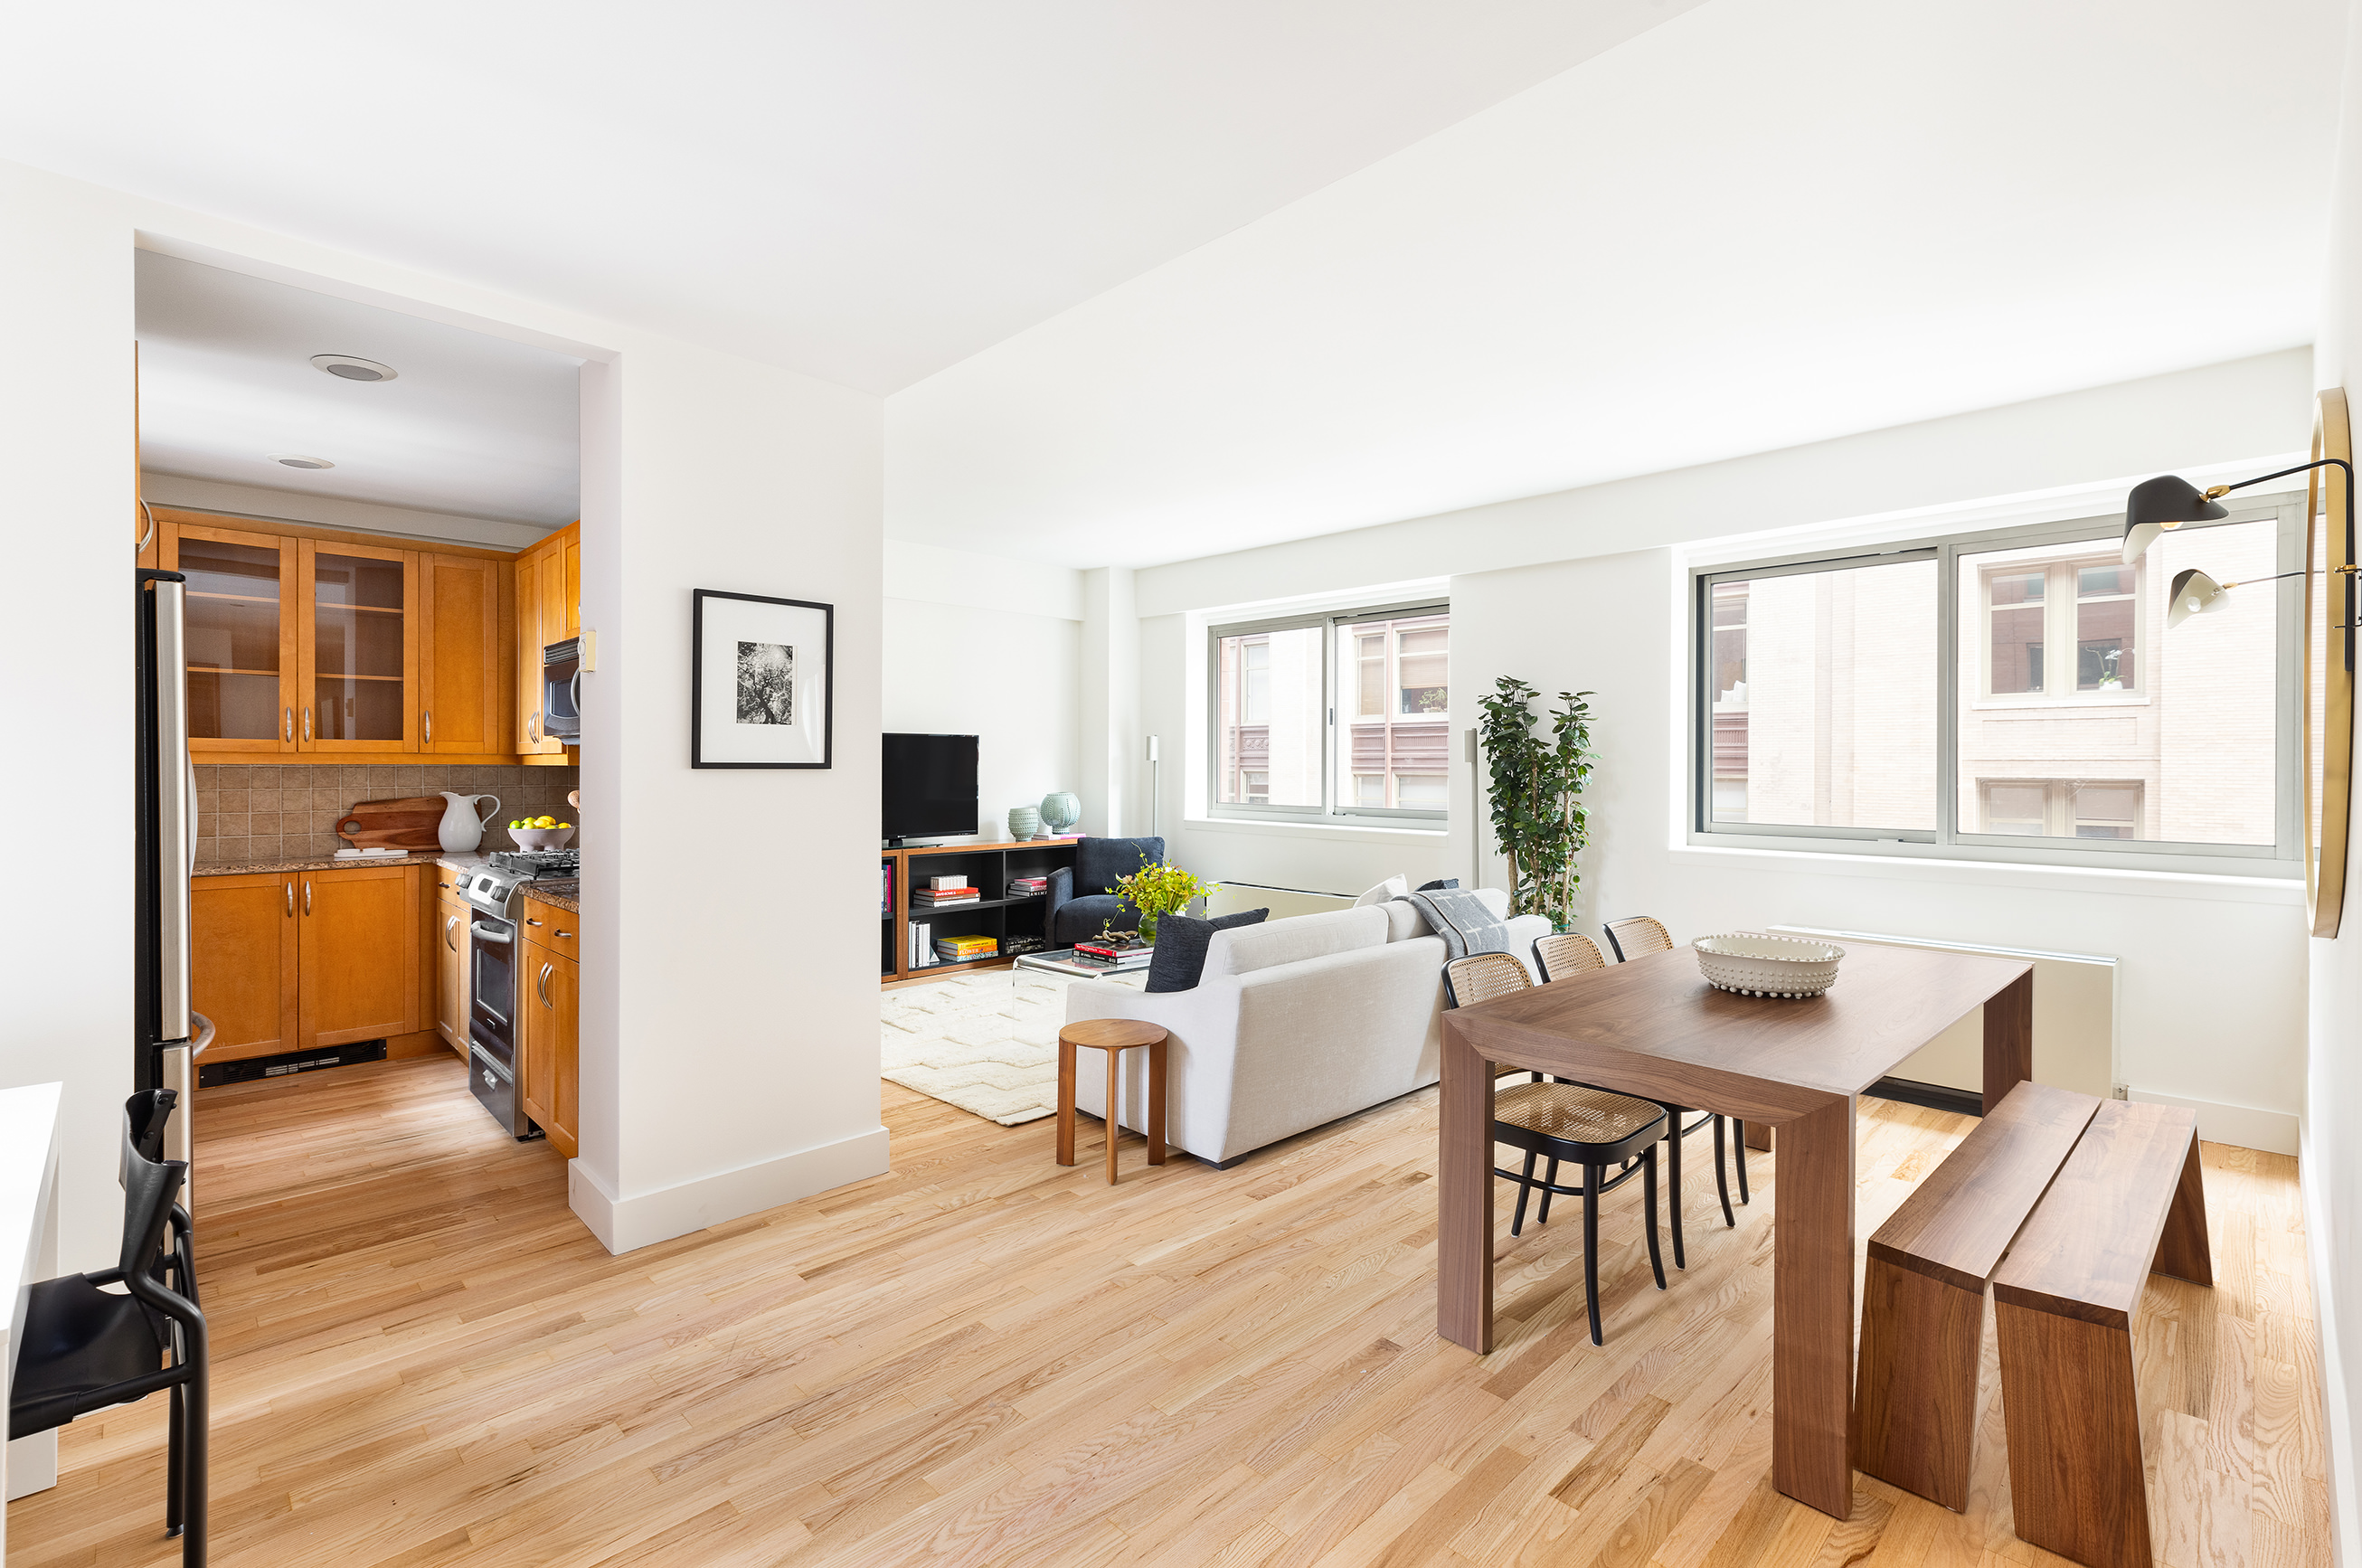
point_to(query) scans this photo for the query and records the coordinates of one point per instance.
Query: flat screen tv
(930, 787)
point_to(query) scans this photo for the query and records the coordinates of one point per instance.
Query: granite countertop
(325, 863)
(317, 863)
(546, 893)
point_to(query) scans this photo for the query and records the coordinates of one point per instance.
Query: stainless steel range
(496, 893)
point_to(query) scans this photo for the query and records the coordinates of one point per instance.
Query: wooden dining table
(1652, 1027)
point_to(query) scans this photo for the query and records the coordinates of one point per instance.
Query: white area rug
(987, 1042)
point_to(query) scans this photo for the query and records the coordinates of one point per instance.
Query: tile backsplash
(290, 811)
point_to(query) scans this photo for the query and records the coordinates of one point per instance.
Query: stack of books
(922, 950)
(1100, 953)
(942, 892)
(1028, 886)
(960, 949)
(1011, 946)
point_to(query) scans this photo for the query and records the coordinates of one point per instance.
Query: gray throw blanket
(1460, 917)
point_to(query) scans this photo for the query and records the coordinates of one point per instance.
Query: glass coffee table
(1062, 961)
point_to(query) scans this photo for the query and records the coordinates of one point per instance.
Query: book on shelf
(955, 883)
(923, 902)
(922, 950)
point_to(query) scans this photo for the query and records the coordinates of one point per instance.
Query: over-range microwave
(561, 690)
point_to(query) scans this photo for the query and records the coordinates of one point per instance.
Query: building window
(1979, 691)
(2062, 808)
(1345, 714)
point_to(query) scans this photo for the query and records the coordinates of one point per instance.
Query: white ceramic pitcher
(462, 828)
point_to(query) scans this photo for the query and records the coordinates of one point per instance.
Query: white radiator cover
(2074, 1018)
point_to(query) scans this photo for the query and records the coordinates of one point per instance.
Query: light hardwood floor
(984, 1358)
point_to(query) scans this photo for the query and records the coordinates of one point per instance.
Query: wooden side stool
(1114, 1036)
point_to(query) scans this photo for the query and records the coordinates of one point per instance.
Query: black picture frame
(698, 744)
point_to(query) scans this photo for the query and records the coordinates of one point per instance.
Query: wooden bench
(1923, 1299)
(2128, 1202)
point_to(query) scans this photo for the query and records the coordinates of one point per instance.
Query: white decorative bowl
(1756, 966)
(542, 838)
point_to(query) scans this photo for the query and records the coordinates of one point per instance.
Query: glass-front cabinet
(296, 645)
(242, 641)
(359, 654)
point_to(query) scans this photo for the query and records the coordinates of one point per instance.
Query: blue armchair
(1083, 900)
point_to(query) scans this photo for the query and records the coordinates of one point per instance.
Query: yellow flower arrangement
(1160, 888)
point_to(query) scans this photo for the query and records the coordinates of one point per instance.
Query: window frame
(1950, 839)
(1335, 782)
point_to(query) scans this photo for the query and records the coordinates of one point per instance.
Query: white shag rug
(985, 1042)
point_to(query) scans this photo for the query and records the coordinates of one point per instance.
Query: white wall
(65, 647)
(983, 645)
(2332, 1160)
(1581, 590)
(1008, 678)
(701, 471)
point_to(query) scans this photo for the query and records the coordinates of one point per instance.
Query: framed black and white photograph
(761, 681)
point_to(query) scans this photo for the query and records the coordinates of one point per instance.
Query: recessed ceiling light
(345, 367)
(297, 460)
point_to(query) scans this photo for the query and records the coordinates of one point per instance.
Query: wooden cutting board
(412, 824)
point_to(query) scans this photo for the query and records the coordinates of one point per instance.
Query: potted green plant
(1537, 795)
(1158, 888)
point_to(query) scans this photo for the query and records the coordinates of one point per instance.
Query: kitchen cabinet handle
(307, 727)
(533, 728)
(529, 921)
(289, 732)
(451, 924)
(568, 935)
(541, 984)
(427, 719)
(291, 895)
(307, 895)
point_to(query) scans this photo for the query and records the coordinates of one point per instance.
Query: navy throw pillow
(1447, 882)
(1181, 945)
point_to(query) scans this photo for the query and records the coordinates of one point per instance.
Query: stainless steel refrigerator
(167, 1034)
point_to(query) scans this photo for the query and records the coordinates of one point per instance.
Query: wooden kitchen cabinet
(242, 643)
(549, 609)
(242, 944)
(459, 656)
(305, 643)
(300, 960)
(358, 954)
(452, 975)
(551, 1079)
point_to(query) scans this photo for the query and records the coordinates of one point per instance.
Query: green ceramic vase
(1024, 821)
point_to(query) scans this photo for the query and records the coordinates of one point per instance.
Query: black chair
(1083, 900)
(1636, 936)
(85, 1347)
(1592, 1127)
(1571, 953)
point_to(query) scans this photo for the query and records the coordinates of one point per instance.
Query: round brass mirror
(2328, 676)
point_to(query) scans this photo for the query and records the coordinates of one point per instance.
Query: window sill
(2053, 705)
(1312, 828)
(2257, 880)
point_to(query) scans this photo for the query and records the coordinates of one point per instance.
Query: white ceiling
(867, 191)
(1160, 280)
(471, 424)
(1765, 223)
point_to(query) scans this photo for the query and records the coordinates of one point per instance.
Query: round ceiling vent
(297, 460)
(345, 367)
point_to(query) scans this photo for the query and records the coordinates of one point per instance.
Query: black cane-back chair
(1592, 1127)
(86, 1347)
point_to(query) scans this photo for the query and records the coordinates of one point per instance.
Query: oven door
(561, 690)
(493, 960)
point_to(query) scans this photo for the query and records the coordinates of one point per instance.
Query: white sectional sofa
(1293, 1023)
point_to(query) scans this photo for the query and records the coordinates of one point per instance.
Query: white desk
(28, 1252)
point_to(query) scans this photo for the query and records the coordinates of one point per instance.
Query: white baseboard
(2273, 1131)
(623, 1223)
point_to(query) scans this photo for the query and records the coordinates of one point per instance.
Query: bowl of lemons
(541, 833)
